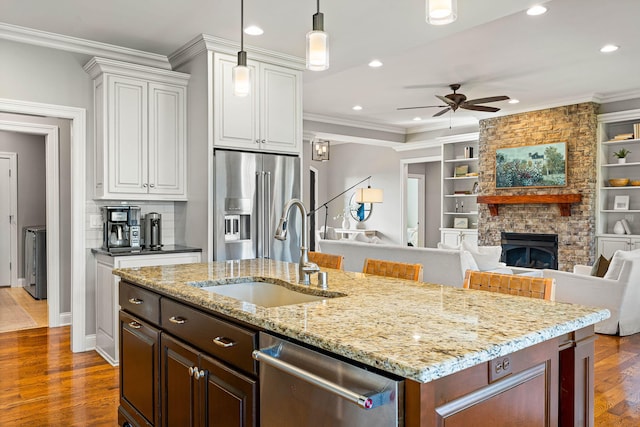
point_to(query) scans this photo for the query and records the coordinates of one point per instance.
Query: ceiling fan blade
(424, 106)
(485, 100)
(441, 112)
(480, 108)
(446, 100)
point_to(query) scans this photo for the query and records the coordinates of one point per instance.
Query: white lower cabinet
(454, 237)
(107, 307)
(608, 245)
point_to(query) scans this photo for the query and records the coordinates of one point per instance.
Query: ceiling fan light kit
(241, 75)
(441, 12)
(317, 44)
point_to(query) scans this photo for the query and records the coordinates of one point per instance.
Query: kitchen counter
(166, 249)
(418, 331)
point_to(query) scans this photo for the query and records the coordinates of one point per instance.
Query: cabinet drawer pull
(198, 373)
(223, 342)
(135, 301)
(191, 370)
(177, 320)
(135, 325)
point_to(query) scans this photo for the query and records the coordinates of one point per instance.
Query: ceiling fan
(454, 100)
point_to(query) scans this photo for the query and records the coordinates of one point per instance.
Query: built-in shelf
(624, 187)
(621, 142)
(620, 165)
(462, 177)
(466, 160)
(461, 213)
(460, 195)
(563, 201)
(620, 211)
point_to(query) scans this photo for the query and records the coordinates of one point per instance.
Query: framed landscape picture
(542, 165)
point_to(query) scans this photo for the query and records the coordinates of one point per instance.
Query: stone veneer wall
(577, 126)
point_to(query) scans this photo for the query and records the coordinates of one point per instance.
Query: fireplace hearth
(531, 250)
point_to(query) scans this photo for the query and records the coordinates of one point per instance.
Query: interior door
(5, 223)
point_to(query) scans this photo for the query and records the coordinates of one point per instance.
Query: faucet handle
(323, 281)
(311, 267)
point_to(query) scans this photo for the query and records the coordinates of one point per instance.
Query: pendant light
(317, 44)
(241, 73)
(442, 12)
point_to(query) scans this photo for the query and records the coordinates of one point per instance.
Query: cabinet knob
(144, 185)
(223, 342)
(191, 370)
(135, 325)
(263, 141)
(135, 301)
(257, 141)
(177, 320)
(152, 185)
(198, 373)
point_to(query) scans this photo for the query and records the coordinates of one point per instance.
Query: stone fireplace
(577, 126)
(531, 250)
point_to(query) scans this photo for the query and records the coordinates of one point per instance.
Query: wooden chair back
(398, 270)
(326, 260)
(513, 284)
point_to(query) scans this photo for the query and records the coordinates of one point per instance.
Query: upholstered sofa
(618, 291)
(441, 266)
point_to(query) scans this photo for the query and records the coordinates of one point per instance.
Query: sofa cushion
(617, 261)
(600, 267)
(487, 257)
(450, 247)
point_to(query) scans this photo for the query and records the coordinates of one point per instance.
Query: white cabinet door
(236, 118)
(635, 244)
(470, 236)
(269, 118)
(280, 112)
(608, 245)
(127, 135)
(450, 237)
(167, 140)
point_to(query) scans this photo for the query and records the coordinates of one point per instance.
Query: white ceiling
(493, 48)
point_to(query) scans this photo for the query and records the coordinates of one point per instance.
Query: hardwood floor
(43, 384)
(37, 309)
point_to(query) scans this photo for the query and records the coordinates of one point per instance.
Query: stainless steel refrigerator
(35, 261)
(250, 191)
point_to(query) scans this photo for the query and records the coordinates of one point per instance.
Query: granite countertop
(415, 330)
(166, 249)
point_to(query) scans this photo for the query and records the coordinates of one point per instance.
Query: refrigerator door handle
(259, 213)
(267, 217)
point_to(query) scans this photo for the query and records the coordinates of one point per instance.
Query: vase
(345, 223)
(618, 228)
(622, 160)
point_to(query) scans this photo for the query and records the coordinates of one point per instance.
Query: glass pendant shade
(241, 80)
(317, 50)
(441, 12)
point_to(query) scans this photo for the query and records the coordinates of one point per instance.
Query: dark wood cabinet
(139, 370)
(194, 369)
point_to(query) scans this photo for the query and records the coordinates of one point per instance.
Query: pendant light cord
(242, 24)
(318, 6)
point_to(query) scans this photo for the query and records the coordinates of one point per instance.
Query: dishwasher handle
(370, 401)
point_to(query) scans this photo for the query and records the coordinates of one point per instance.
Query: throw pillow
(487, 257)
(618, 259)
(600, 267)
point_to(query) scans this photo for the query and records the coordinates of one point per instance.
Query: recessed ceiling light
(357, 107)
(375, 63)
(536, 10)
(253, 30)
(608, 48)
(513, 101)
(417, 119)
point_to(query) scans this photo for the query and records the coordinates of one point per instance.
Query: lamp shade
(369, 195)
(317, 50)
(441, 12)
(241, 80)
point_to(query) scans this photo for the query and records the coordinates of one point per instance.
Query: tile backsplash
(166, 209)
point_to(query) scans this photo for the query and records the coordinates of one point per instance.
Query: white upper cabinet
(140, 123)
(269, 118)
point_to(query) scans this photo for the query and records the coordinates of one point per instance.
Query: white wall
(37, 74)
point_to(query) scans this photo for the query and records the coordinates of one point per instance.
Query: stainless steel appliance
(35, 260)
(250, 192)
(121, 228)
(302, 387)
(153, 231)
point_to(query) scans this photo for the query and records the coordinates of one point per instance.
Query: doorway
(425, 229)
(415, 210)
(8, 225)
(313, 200)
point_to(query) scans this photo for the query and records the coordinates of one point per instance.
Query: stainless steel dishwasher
(302, 387)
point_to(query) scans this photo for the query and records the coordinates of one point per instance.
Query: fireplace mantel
(564, 201)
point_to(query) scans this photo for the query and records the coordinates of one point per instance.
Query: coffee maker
(121, 228)
(153, 231)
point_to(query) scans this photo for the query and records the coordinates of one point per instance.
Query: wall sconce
(320, 150)
(442, 12)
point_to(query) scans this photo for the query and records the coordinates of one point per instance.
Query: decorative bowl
(618, 182)
(635, 182)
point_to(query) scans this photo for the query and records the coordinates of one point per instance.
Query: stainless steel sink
(264, 294)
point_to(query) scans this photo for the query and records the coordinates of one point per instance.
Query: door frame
(421, 206)
(52, 204)
(404, 174)
(13, 211)
(314, 217)
(79, 340)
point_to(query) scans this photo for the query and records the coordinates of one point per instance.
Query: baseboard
(64, 319)
(90, 342)
(20, 284)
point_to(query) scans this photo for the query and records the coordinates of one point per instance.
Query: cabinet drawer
(217, 337)
(138, 301)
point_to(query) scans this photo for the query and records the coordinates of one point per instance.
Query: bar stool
(398, 270)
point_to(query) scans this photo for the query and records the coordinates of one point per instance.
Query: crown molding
(618, 96)
(618, 116)
(411, 146)
(97, 66)
(353, 123)
(206, 42)
(347, 139)
(88, 47)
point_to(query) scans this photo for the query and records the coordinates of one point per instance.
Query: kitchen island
(465, 354)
